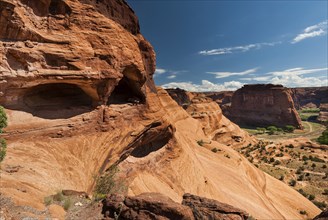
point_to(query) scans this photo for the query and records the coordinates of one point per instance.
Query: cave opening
(127, 91)
(57, 100)
(59, 7)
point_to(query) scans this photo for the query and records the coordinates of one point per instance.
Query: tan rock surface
(76, 82)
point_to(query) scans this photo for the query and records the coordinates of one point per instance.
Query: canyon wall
(309, 97)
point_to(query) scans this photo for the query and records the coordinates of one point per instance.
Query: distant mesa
(263, 105)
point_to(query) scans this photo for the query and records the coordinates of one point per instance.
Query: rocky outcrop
(221, 98)
(310, 97)
(49, 46)
(322, 216)
(214, 124)
(156, 206)
(182, 97)
(263, 105)
(323, 114)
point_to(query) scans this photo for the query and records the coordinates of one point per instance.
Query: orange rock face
(76, 83)
(214, 124)
(263, 105)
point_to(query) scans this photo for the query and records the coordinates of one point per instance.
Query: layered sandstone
(309, 97)
(157, 206)
(263, 105)
(323, 114)
(76, 82)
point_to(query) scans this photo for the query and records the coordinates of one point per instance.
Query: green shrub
(302, 192)
(3, 124)
(292, 182)
(67, 203)
(3, 118)
(316, 159)
(303, 212)
(311, 197)
(289, 128)
(260, 130)
(48, 200)
(3, 149)
(325, 192)
(310, 110)
(320, 205)
(277, 162)
(58, 196)
(272, 129)
(323, 139)
(200, 142)
(110, 183)
(214, 150)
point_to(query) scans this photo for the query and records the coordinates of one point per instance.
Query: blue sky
(222, 45)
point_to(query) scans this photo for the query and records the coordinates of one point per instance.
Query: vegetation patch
(109, 183)
(3, 124)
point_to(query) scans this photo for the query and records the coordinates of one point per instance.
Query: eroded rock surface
(214, 124)
(156, 206)
(323, 114)
(310, 97)
(263, 105)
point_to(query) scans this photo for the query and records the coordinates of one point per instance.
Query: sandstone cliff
(76, 82)
(263, 105)
(309, 97)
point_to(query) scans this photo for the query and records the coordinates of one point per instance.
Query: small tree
(289, 128)
(311, 197)
(3, 124)
(272, 129)
(323, 139)
(3, 118)
(292, 182)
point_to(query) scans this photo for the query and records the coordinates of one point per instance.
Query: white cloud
(297, 71)
(160, 71)
(171, 76)
(172, 73)
(237, 49)
(205, 86)
(319, 29)
(219, 75)
(293, 77)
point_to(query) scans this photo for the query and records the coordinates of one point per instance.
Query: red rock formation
(263, 105)
(156, 206)
(49, 46)
(309, 97)
(323, 114)
(76, 83)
